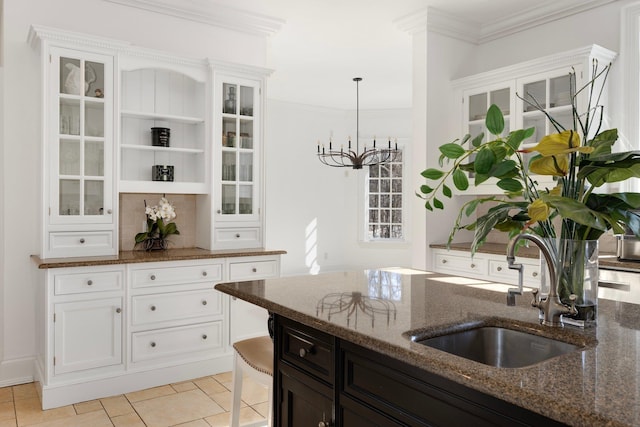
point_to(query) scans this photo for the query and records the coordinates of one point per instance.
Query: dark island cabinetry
(324, 381)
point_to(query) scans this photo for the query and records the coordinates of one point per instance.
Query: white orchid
(159, 224)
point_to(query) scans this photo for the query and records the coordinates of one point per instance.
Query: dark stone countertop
(594, 387)
(132, 257)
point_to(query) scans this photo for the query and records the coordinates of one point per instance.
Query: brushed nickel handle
(153, 277)
(82, 240)
(499, 268)
(204, 302)
(237, 235)
(153, 344)
(473, 266)
(109, 211)
(118, 310)
(534, 274)
(444, 261)
(204, 274)
(302, 352)
(89, 282)
(152, 308)
(204, 336)
(255, 270)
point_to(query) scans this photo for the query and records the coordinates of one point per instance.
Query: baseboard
(16, 371)
(55, 395)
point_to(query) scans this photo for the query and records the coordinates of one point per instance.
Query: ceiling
(316, 47)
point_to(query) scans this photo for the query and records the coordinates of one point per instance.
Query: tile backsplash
(133, 219)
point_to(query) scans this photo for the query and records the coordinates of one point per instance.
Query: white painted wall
(313, 210)
(20, 150)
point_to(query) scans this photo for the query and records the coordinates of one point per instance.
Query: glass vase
(155, 244)
(576, 268)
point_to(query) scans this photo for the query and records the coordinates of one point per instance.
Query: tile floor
(202, 402)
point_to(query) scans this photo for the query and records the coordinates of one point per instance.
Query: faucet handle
(572, 309)
(535, 302)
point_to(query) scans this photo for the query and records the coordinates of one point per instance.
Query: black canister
(160, 137)
(162, 173)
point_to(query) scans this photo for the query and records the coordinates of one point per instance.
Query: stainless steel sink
(499, 347)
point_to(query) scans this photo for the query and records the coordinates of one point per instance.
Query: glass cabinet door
(80, 142)
(238, 169)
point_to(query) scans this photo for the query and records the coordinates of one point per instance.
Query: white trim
(630, 56)
(450, 25)
(207, 12)
(16, 371)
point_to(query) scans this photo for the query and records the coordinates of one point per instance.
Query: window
(384, 214)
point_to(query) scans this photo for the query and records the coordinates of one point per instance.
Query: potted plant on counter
(159, 226)
(568, 214)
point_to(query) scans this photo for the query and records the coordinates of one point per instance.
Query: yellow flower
(557, 165)
(538, 211)
(565, 142)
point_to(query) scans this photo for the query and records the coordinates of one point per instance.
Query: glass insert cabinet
(238, 143)
(80, 138)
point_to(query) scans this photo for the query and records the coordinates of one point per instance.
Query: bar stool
(254, 357)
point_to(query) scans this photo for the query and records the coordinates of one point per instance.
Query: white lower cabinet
(485, 266)
(106, 330)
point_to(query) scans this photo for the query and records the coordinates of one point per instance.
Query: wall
(19, 216)
(312, 209)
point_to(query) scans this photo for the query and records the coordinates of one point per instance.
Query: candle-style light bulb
(318, 146)
(329, 143)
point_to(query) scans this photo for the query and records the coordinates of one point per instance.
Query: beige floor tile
(209, 385)
(90, 406)
(184, 386)
(254, 393)
(177, 408)
(93, 419)
(6, 394)
(8, 423)
(117, 405)
(224, 377)
(24, 391)
(128, 420)
(29, 411)
(196, 423)
(224, 400)
(150, 393)
(262, 408)
(219, 420)
(7, 411)
(247, 415)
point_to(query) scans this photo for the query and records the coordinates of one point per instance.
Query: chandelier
(355, 159)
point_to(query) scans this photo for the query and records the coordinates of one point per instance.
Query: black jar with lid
(160, 137)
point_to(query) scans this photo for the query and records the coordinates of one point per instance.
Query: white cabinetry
(237, 201)
(485, 266)
(170, 96)
(543, 81)
(108, 330)
(78, 200)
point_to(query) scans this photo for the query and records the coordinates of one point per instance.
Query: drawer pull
(204, 274)
(82, 240)
(89, 282)
(444, 261)
(237, 235)
(204, 336)
(152, 308)
(324, 424)
(303, 352)
(153, 344)
(118, 310)
(473, 266)
(499, 268)
(204, 302)
(153, 277)
(534, 274)
(255, 270)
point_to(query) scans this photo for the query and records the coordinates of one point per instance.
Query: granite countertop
(132, 257)
(595, 387)
(605, 260)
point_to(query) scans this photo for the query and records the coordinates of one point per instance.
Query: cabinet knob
(255, 270)
(237, 235)
(473, 266)
(89, 282)
(444, 261)
(153, 277)
(204, 336)
(152, 308)
(302, 352)
(324, 424)
(153, 344)
(204, 274)
(204, 302)
(219, 211)
(534, 274)
(82, 240)
(118, 310)
(109, 211)
(499, 268)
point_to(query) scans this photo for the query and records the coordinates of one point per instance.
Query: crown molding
(207, 12)
(455, 26)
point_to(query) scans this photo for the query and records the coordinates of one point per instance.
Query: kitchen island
(372, 314)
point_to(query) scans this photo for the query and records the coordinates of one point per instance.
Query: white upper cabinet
(163, 126)
(543, 81)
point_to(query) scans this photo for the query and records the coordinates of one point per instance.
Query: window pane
(385, 170)
(396, 201)
(385, 200)
(373, 201)
(374, 171)
(373, 215)
(385, 185)
(385, 215)
(373, 186)
(396, 185)
(396, 216)
(396, 171)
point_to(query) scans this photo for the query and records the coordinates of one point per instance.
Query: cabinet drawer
(460, 264)
(87, 281)
(238, 235)
(175, 306)
(80, 243)
(499, 272)
(308, 350)
(253, 270)
(169, 342)
(164, 276)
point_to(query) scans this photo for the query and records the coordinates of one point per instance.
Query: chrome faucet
(551, 307)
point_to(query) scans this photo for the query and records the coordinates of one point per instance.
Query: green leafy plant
(580, 160)
(159, 223)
